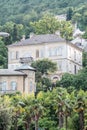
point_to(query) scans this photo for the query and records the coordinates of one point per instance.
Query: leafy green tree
(84, 59)
(49, 118)
(49, 24)
(77, 81)
(69, 14)
(74, 122)
(33, 110)
(59, 102)
(80, 107)
(66, 80)
(5, 113)
(46, 25)
(15, 33)
(15, 30)
(3, 55)
(44, 66)
(66, 30)
(15, 99)
(26, 105)
(80, 80)
(22, 11)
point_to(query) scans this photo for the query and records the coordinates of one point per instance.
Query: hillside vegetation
(23, 11)
(21, 17)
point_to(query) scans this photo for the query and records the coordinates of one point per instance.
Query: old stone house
(67, 55)
(21, 79)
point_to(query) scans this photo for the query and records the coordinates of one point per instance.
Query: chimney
(58, 33)
(23, 38)
(32, 35)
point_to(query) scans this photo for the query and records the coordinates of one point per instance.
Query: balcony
(26, 60)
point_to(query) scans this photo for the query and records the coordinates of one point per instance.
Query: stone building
(67, 55)
(21, 79)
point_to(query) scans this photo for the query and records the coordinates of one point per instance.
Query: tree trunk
(81, 120)
(36, 123)
(60, 120)
(28, 126)
(16, 127)
(66, 121)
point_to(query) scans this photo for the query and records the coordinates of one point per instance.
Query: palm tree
(37, 110)
(26, 104)
(5, 113)
(15, 99)
(59, 105)
(33, 110)
(80, 107)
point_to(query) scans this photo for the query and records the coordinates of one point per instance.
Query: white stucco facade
(67, 55)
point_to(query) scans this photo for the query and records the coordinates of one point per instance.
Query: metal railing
(26, 59)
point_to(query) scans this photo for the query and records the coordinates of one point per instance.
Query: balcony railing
(26, 59)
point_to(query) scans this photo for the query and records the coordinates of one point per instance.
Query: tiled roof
(38, 39)
(4, 72)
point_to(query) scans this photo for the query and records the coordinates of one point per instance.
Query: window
(12, 55)
(41, 53)
(31, 73)
(27, 53)
(31, 86)
(55, 51)
(80, 58)
(13, 85)
(74, 55)
(59, 65)
(75, 69)
(17, 55)
(4, 86)
(49, 52)
(52, 52)
(70, 66)
(70, 52)
(0, 86)
(37, 53)
(60, 51)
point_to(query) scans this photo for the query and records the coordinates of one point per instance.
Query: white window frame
(12, 55)
(4, 85)
(13, 85)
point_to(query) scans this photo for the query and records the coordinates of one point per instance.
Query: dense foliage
(78, 81)
(26, 10)
(60, 106)
(20, 18)
(55, 110)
